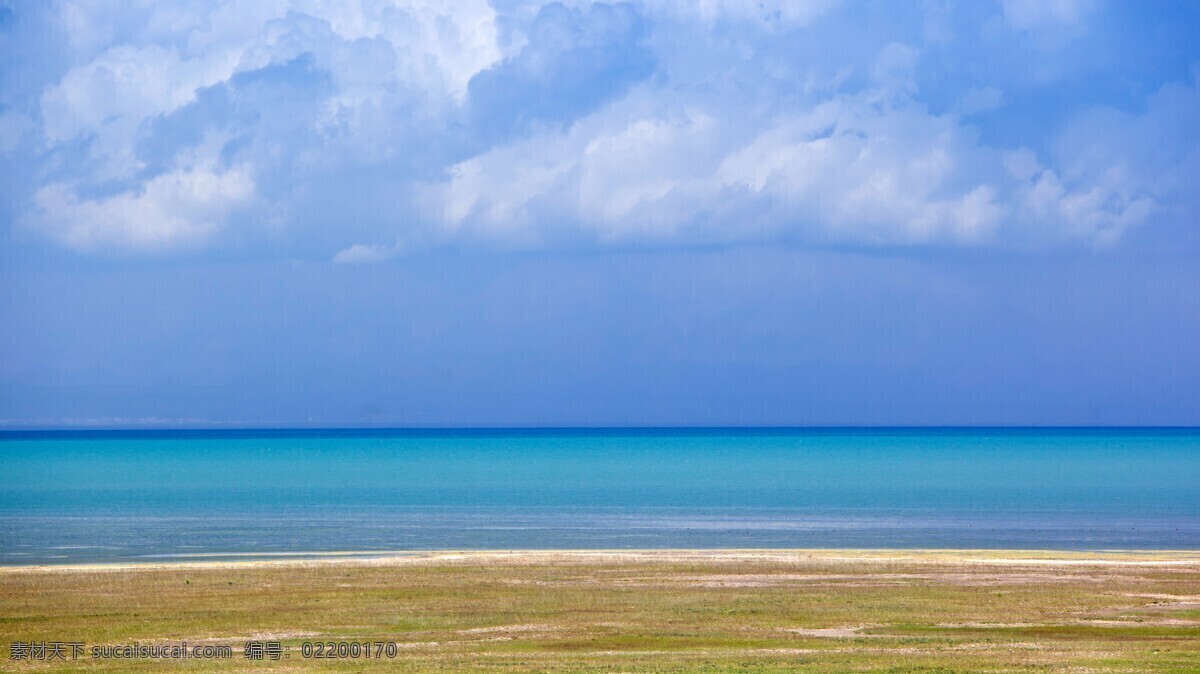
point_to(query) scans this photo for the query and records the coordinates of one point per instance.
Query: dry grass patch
(737, 611)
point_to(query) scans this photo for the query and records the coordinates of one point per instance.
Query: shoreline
(398, 558)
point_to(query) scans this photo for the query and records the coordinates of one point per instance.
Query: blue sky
(716, 212)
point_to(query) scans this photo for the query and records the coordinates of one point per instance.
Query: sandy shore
(1166, 558)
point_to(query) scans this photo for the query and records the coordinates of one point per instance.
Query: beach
(512, 336)
(624, 550)
(622, 610)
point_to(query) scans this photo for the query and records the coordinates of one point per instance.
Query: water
(155, 495)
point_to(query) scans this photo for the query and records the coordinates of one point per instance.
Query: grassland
(731, 611)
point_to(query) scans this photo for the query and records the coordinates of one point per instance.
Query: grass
(665, 612)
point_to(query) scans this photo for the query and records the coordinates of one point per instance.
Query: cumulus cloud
(572, 62)
(524, 123)
(167, 97)
(172, 211)
(870, 168)
(850, 170)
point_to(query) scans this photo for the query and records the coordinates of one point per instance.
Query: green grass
(644, 613)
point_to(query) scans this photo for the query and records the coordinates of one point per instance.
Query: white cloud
(141, 62)
(361, 253)
(108, 98)
(172, 211)
(846, 171)
(121, 87)
(1099, 213)
(984, 99)
(787, 13)
(679, 124)
(1038, 14)
(437, 51)
(868, 169)
(894, 69)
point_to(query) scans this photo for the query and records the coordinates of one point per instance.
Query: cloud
(167, 97)
(572, 62)
(365, 254)
(873, 168)
(846, 171)
(764, 13)
(983, 99)
(1043, 14)
(173, 127)
(172, 211)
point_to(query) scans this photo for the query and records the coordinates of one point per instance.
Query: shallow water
(113, 496)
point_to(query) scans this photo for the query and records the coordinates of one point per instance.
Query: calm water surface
(112, 496)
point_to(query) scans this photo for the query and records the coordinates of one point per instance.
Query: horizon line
(33, 429)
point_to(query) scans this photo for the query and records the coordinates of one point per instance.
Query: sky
(512, 213)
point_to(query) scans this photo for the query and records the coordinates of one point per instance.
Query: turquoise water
(106, 496)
